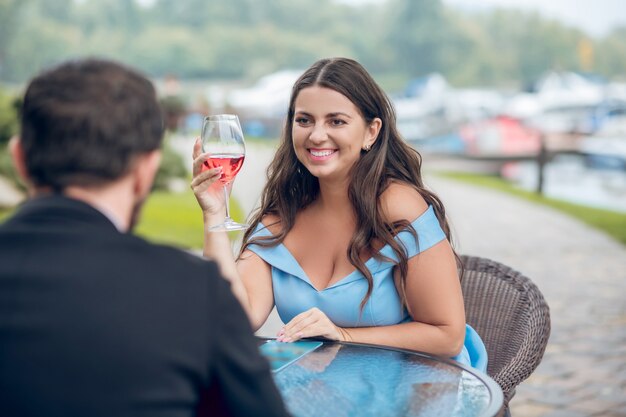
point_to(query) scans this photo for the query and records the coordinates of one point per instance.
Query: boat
(606, 149)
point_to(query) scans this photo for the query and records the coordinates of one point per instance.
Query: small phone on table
(281, 354)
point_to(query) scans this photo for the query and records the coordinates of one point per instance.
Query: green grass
(176, 219)
(4, 213)
(171, 218)
(611, 222)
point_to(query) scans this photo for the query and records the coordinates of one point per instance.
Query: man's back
(96, 322)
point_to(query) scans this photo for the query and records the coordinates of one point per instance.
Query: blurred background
(532, 92)
(517, 106)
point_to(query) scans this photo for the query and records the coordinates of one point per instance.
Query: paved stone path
(581, 272)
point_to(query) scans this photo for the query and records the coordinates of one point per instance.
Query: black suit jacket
(94, 322)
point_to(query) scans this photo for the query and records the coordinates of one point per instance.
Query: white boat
(560, 102)
(607, 148)
(268, 98)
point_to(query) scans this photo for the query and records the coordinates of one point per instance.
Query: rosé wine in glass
(222, 139)
(231, 164)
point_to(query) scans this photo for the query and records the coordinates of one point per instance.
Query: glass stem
(226, 198)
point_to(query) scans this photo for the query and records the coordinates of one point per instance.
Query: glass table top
(345, 379)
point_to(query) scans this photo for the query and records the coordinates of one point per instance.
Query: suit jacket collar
(57, 207)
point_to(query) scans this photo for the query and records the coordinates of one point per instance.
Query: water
(569, 178)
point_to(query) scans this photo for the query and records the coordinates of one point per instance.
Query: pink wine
(230, 163)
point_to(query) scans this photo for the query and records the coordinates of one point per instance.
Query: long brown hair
(290, 187)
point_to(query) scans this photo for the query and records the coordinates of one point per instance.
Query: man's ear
(19, 161)
(146, 168)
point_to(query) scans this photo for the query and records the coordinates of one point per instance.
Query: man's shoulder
(187, 257)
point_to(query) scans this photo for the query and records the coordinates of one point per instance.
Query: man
(95, 321)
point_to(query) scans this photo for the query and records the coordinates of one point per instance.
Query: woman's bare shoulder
(272, 222)
(401, 201)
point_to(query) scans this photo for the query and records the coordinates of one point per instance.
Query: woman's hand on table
(311, 323)
(205, 184)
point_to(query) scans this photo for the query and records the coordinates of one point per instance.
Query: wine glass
(222, 138)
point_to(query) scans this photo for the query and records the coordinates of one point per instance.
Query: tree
(395, 39)
(9, 21)
(416, 34)
(8, 117)
(114, 15)
(8, 128)
(58, 10)
(611, 54)
(196, 14)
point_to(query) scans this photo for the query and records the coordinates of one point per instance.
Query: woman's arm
(433, 293)
(250, 277)
(436, 305)
(433, 289)
(256, 277)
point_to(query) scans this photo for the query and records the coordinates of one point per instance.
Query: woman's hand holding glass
(206, 185)
(223, 144)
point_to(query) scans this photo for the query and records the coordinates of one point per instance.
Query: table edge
(497, 397)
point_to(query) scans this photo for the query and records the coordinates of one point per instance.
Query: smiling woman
(329, 132)
(348, 243)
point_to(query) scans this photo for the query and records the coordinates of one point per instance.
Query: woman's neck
(334, 198)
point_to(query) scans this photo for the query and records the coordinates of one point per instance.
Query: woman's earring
(367, 148)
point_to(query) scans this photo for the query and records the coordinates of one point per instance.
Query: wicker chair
(510, 314)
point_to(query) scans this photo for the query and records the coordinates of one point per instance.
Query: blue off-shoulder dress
(294, 293)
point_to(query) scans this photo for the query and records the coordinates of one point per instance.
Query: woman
(348, 243)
